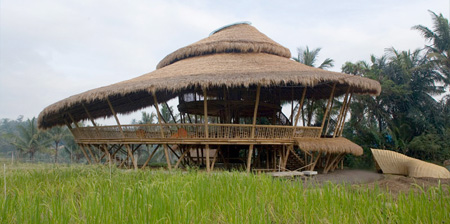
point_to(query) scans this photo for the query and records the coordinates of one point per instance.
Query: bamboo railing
(194, 131)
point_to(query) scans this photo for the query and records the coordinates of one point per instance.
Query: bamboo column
(80, 145)
(166, 152)
(345, 114)
(298, 111)
(123, 135)
(327, 110)
(255, 113)
(105, 147)
(205, 111)
(341, 113)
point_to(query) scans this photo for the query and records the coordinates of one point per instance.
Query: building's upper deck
(193, 134)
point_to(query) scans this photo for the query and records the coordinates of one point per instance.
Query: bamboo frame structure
(231, 88)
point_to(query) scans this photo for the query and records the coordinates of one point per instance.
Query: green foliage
(309, 57)
(405, 117)
(29, 139)
(439, 50)
(91, 194)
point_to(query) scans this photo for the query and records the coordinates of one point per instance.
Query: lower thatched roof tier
(215, 70)
(329, 145)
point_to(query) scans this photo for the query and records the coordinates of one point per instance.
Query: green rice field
(97, 194)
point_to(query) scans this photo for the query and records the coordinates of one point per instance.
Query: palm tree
(309, 57)
(57, 135)
(147, 118)
(439, 50)
(29, 139)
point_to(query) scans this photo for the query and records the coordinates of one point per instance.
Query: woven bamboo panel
(395, 163)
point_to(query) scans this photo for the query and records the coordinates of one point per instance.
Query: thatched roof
(329, 145)
(236, 56)
(391, 162)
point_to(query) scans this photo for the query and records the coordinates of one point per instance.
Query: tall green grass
(86, 194)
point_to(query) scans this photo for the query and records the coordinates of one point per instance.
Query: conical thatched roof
(234, 56)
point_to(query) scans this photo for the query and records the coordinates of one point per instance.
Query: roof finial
(230, 25)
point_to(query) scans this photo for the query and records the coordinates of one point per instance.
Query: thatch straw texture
(240, 38)
(329, 145)
(237, 56)
(395, 163)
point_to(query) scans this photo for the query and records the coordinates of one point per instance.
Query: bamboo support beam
(300, 107)
(327, 109)
(345, 114)
(150, 157)
(73, 120)
(97, 131)
(170, 112)
(295, 154)
(286, 157)
(92, 154)
(329, 118)
(181, 158)
(252, 135)
(85, 154)
(205, 111)
(79, 145)
(313, 164)
(341, 113)
(330, 165)
(166, 152)
(121, 131)
(89, 116)
(215, 157)
(173, 151)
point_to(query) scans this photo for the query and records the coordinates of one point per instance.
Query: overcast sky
(52, 49)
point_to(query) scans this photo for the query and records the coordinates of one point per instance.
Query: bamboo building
(231, 88)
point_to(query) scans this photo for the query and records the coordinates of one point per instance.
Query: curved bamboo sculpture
(395, 163)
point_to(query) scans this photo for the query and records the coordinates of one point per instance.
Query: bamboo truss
(208, 141)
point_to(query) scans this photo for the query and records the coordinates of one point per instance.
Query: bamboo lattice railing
(193, 131)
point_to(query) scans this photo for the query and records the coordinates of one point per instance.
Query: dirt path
(394, 184)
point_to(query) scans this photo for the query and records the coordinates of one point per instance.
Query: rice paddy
(98, 194)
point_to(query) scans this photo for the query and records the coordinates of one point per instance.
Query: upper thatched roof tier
(261, 62)
(239, 38)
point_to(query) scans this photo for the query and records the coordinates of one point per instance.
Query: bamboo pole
(85, 154)
(345, 114)
(79, 145)
(329, 118)
(150, 157)
(215, 157)
(327, 110)
(96, 129)
(255, 114)
(92, 154)
(205, 118)
(73, 120)
(295, 154)
(170, 112)
(166, 152)
(181, 158)
(341, 113)
(286, 157)
(292, 105)
(121, 131)
(300, 107)
(89, 116)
